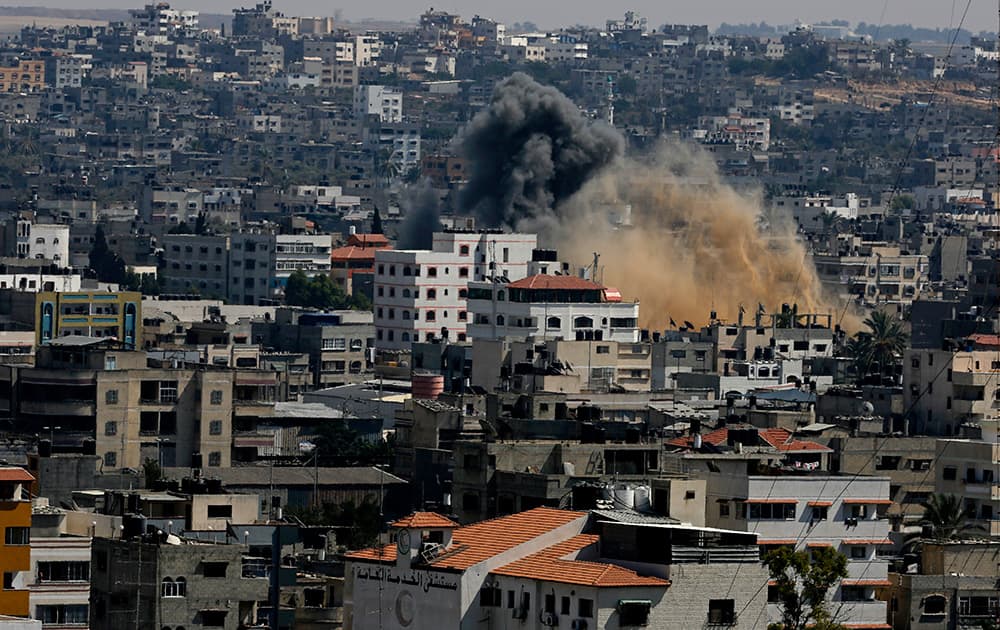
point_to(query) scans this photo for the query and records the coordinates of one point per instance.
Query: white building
(538, 569)
(551, 306)
(308, 253)
(805, 511)
(386, 103)
(160, 19)
(46, 241)
(420, 293)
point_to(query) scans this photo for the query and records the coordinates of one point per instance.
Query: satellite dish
(868, 408)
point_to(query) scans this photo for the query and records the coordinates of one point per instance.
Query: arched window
(432, 294)
(501, 296)
(39, 241)
(170, 588)
(406, 293)
(463, 293)
(406, 336)
(935, 605)
(406, 314)
(763, 372)
(500, 320)
(430, 316)
(583, 322)
(355, 367)
(553, 322)
(406, 270)
(463, 250)
(181, 584)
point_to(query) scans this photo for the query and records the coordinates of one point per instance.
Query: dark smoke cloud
(530, 150)
(421, 208)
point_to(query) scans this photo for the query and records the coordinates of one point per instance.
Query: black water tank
(195, 460)
(44, 448)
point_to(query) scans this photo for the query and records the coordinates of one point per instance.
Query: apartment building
(421, 294)
(58, 314)
(874, 273)
(28, 75)
(94, 394)
(25, 238)
(806, 510)
(548, 568)
(308, 253)
(382, 102)
(15, 549)
(356, 257)
(252, 261)
(944, 389)
(195, 263)
(543, 306)
(969, 469)
(149, 583)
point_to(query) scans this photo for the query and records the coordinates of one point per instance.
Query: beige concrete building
(943, 389)
(968, 469)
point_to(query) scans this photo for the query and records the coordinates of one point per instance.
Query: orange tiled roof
(547, 282)
(779, 439)
(353, 252)
(874, 626)
(551, 565)
(817, 545)
(848, 582)
(868, 541)
(819, 503)
(368, 240)
(779, 541)
(425, 520)
(868, 501)
(475, 543)
(13, 473)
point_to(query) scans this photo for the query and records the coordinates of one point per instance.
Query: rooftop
(13, 473)
(779, 439)
(547, 282)
(481, 541)
(425, 520)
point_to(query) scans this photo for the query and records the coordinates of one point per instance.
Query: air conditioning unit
(579, 624)
(549, 619)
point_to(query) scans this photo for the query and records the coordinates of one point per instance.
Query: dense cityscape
(450, 323)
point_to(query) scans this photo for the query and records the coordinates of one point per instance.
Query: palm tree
(878, 350)
(946, 517)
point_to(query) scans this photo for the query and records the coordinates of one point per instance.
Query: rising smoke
(690, 244)
(421, 207)
(529, 151)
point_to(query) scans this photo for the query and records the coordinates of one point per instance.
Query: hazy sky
(936, 13)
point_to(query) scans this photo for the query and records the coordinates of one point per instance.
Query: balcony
(59, 408)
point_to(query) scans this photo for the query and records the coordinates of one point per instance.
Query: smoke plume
(529, 151)
(669, 231)
(673, 235)
(421, 206)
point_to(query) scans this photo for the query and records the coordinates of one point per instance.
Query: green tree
(356, 525)
(319, 292)
(946, 517)
(105, 263)
(803, 579)
(878, 351)
(902, 202)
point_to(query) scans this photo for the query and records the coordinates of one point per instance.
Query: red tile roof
(353, 252)
(985, 340)
(557, 283)
(849, 582)
(368, 240)
(868, 501)
(819, 503)
(15, 474)
(551, 565)
(868, 541)
(475, 543)
(779, 439)
(874, 626)
(425, 520)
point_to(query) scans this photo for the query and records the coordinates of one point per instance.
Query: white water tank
(642, 502)
(697, 441)
(624, 497)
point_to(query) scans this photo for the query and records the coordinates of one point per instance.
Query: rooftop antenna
(593, 271)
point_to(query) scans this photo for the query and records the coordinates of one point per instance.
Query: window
(214, 569)
(213, 618)
(8, 580)
(340, 343)
(633, 612)
(219, 511)
(553, 322)
(463, 272)
(935, 605)
(490, 596)
(583, 322)
(603, 349)
(564, 604)
(721, 612)
(550, 603)
(585, 608)
(215, 427)
(859, 552)
(723, 509)
(463, 250)
(111, 397)
(820, 512)
(950, 473)
(111, 459)
(216, 397)
(772, 511)
(431, 294)
(432, 272)
(470, 501)
(75, 571)
(63, 614)
(887, 462)
(510, 599)
(430, 316)
(17, 536)
(859, 511)
(110, 428)
(173, 588)
(773, 594)
(215, 458)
